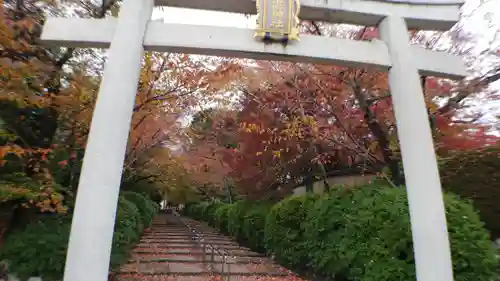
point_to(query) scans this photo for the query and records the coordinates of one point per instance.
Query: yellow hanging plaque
(278, 20)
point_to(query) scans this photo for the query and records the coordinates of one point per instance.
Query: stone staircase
(180, 249)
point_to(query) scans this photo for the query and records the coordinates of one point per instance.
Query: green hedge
(221, 218)
(39, 249)
(209, 212)
(128, 227)
(254, 223)
(360, 234)
(235, 218)
(364, 234)
(146, 207)
(284, 230)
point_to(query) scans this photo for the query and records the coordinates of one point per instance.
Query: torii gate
(133, 32)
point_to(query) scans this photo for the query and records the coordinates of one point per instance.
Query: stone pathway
(170, 252)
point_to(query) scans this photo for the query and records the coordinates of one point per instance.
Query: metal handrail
(198, 238)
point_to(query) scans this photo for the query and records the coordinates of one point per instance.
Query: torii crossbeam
(133, 32)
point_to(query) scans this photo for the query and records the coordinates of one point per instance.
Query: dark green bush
(244, 220)
(188, 209)
(145, 206)
(155, 206)
(253, 226)
(127, 230)
(475, 175)
(360, 234)
(364, 234)
(235, 217)
(196, 210)
(284, 229)
(135, 183)
(209, 212)
(39, 249)
(221, 218)
(204, 210)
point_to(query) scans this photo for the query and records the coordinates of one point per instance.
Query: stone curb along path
(169, 252)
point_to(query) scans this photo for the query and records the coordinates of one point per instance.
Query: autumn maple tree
(297, 123)
(273, 124)
(47, 97)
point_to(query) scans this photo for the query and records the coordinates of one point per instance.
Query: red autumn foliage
(294, 120)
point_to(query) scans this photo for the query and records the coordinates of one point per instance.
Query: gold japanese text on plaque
(278, 20)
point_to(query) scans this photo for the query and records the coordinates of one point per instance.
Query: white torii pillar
(92, 228)
(431, 245)
(90, 242)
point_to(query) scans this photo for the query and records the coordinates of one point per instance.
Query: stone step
(174, 229)
(166, 232)
(184, 228)
(140, 257)
(162, 232)
(208, 277)
(189, 242)
(168, 251)
(169, 230)
(164, 258)
(182, 233)
(164, 268)
(170, 244)
(194, 251)
(169, 226)
(191, 259)
(187, 235)
(187, 238)
(193, 269)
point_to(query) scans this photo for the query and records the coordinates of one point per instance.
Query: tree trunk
(380, 134)
(309, 179)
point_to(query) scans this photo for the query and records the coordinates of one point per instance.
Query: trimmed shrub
(144, 205)
(196, 210)
(188, 209)
(221, 218)
(364, 234)
(39, 249)
(145, 187)
(235, 217)
(253, 226)
(360, 234)
(127, 230)
(209, 212)
(155, 206)
(204, 210)
(475, 175)
(284, 229)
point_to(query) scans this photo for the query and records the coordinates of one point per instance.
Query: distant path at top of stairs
(180, 249)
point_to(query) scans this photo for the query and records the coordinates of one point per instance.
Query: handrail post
(224, 263)
(203, 250)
